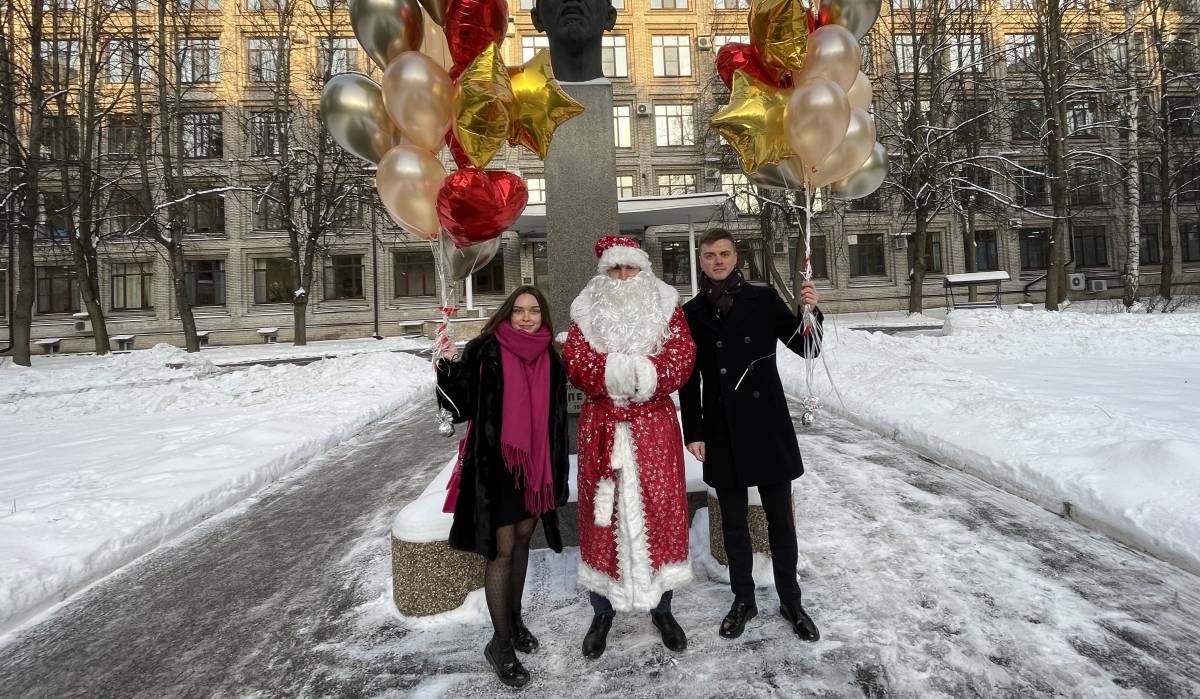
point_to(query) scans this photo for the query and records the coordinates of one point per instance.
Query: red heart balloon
(461, 159)
(736, 56)
(475, 205)
(471, 25)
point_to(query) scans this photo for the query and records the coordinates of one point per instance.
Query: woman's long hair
(505, 311)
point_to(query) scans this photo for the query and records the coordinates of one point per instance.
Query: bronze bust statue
(575, 28)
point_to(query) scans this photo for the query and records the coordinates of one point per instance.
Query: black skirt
(508, 500)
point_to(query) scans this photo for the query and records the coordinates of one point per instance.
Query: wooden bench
(124, 342)
(202, 336)
(49, 345)
(971, 280)
(269, 335)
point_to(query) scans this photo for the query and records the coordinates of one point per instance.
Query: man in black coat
(736, 421)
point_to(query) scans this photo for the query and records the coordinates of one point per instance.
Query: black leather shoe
(522, 638)
(596, 639)
(673, 636)
(501, 656)
(801, 622)
(735, 621)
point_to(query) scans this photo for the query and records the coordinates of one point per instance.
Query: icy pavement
(925, 582)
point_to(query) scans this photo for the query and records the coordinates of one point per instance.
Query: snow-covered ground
(106, 457)
(1089, 412)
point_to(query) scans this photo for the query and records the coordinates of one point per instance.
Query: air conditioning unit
(712, 173)
(1014, 223)
(643, 110)
(778, 247)
(1095, 285)
(704, 43)
(900, 242)
(83, 322)
(1077, 281)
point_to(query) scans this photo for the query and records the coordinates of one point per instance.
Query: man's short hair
(712, 235)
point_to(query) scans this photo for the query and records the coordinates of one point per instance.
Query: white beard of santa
(630, 316)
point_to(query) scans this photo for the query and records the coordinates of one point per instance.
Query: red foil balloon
(471, 25)
(461, 159)
(735, 56)
(476, 205)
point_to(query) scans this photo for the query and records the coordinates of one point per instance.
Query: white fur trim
(603, 503)
(622, 255)
(658, 316)
(646, 378)
(639, 587)
(619, 376)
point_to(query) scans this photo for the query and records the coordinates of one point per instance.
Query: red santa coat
(633, 512)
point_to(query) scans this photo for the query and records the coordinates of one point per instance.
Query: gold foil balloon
(860, 92)
(436, 10)
(856, 15)
(816, 119)
(867, 178)
(833, 53)
(420, 97)
(408, 181)
(387, 28)
(540, 104)
(485, 103)
(779, 30)
(850, 153)
(353, 111)
(752, 122)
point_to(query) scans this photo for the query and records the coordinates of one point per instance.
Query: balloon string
(444, 336)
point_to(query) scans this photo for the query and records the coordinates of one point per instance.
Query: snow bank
(1093, 415)
(107, 458)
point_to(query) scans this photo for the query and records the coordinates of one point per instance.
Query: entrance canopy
(637, 213)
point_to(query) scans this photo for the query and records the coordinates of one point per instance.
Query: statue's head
(573, 22)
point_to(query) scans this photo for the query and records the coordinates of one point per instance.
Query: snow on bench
(970, 280)
(124, 342)
(49, 345)
(268, 334)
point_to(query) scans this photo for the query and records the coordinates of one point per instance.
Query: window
(56, 215)
(337, 55)
(908, 49)
(1148, 183)
(349, 207)
(265, 58)
(866, 254)
(125, 212)
(61, 137)
(1082, 50)
(343, 277)
(731, 5)
(530, 45)
(1086, 187)
(1091, 249)
(541, 267)
(1031, 188)
(527, 4)
(3, 292)
(1149, 248)
(269, 215)
(908, 4)
(749, 260)
(1035, 248)
(966, 52)
(413, 274)
(131, 286)
(205, 282)
(490, 279)
(126, 135)
(1188, 183)
(203, 135)
(265, 131)
(973, 5)
(819, 259)
(1017, 4)
(680, 183)
(1082, 116)
(975, 119)
(1020, 52)
(204, 214)
(123, 55)
(1180, 54)
(868, 55)
(871, 202)
(1184, 116)
(624, 186)
(1028, 123)
(331, 4)
(673, 125)
(910, 113)
(614, 56)
(933, 252)
(263, 5)
(623, 126)
(200, 60)
(1121, 49)
(60, 61)
(273, 280)
(676, 263)
(200, 5)
(672, 55)
(668, 4)
(537, 189)
(617, 4)
(987, 258)
(57, 290)
(737, 186)
(1189, 241)
(721, 39)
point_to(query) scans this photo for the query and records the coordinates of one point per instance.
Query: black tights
(504, 578)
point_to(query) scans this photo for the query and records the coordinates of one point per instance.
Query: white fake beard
(626, 314)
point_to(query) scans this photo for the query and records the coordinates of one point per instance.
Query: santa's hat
(615, 250)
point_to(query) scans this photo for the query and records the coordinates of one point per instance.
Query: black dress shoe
(501, 656)
(673, 636)
(596, 639)
(522, 638)
(735, 621)
(801, 622)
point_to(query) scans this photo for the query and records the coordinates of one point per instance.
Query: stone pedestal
(431, 578)
(581, 195)
(758, 529)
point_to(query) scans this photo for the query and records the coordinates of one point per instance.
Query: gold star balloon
(752, 122)
(484, 99)
(541, 105)
(779, 30)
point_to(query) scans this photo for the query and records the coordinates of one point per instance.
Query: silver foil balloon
(436, 10)
(353, 110)
(465, 261)
(867, 178)
(786, 174)
(387, 28)
(856, 15)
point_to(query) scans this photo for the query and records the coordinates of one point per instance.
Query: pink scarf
(525, 431)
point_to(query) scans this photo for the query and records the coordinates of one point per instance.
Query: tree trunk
(20, 327)
(916, 274)
(1168, 200)
(970, 249)
(88, 272)
(299, 324)
(179, 284)
(1133, 197)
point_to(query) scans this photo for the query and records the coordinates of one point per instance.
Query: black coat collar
(737, 315)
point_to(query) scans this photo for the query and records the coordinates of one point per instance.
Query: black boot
(596, 639)
(801, 623)
(735, 621)
(503, 659)
(522, 638)
(672, 633)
